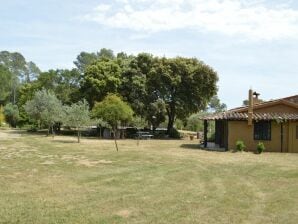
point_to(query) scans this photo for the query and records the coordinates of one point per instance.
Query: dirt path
(8, 134)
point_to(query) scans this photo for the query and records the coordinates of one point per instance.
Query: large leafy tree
(133, 87)
(114, 111)
(101, 78)
(184, 84)
(77, 115)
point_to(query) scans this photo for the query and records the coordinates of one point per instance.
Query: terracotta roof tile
(230, 115)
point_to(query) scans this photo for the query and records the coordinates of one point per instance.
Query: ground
(46, 180)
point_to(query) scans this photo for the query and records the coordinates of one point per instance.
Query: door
(293, 137)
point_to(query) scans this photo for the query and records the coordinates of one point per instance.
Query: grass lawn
(45, 180)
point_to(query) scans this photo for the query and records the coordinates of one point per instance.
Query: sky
(249, 43)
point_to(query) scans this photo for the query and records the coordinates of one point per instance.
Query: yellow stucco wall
(239, 130)
(292, 137)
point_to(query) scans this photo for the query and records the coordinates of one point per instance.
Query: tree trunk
(115, 138)
(48, 133)
(79, 135)
(171, 117)
(53, 132)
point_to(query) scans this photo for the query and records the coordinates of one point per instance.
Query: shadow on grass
(65, 141)
(200, 147)
(191, 146)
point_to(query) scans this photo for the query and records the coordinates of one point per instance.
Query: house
(274, 122)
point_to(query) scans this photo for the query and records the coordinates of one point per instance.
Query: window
(262, 130)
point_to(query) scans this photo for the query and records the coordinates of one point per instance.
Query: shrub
(240, 145)
(174, 133)
(260, 147)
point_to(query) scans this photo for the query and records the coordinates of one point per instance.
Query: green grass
(45, 180)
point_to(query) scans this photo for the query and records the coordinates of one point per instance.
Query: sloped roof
(240, 113)
(290, 101)
(230, 115)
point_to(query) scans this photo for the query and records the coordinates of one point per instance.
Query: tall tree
(84, 59)
(114, 111)
(6, 78)
(185, 85)
(64, 83)
(101, 78)
(215, 105)
(134, 83)
(22, 70)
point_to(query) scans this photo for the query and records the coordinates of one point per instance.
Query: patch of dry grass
(45, 180)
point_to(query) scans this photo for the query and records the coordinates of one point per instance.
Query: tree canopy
(157, 89)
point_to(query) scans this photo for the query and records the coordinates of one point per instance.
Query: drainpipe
(250, 106)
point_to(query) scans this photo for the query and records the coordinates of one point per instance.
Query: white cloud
(251, 19)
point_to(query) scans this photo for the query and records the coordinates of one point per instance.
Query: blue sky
(249, 43)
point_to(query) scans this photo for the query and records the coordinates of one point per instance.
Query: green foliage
(194, 122)
(11, 113)
(240, 146)
(6, 78)
(113, 110)
(85, 59)
(2, 116)
(21, 71)
(64, 83)
(77, 115)
(155, 113)
(173, 133)
(101, 78)
(44, 108)
(260, 147)
(186, 85)
(215, 105)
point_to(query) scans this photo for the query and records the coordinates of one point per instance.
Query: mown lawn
(45, 180)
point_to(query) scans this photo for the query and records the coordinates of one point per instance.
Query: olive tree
(45, 108)
(77, 115)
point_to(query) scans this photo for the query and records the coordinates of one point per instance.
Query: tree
(45, 108)
(215, 105)
(21, 70)
(64, 83)
(101, 78)
(185, 85)
(84, 59)
(2, 116)
(113, 110)
(6, 81)
(134, 83)
(155, 113)
(77, 115)
(11, 113)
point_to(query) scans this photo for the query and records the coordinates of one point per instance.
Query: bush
(240, 145)
(174, 133)
(260, 147)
